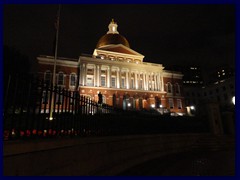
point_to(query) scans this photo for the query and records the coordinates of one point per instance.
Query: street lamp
(153, 105)
(129, 104)
(192, 107)
(233, 100)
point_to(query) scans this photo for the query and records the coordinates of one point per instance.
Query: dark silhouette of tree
(16, 67)
(15, 63)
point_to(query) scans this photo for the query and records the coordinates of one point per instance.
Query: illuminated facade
(120, 74)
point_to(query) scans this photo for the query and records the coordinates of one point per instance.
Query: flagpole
(55, 59)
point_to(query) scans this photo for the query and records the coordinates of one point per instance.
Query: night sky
(167, 34)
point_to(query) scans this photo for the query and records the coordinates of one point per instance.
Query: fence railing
(28, 101)
(28, 104)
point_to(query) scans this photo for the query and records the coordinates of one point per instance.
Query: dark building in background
(220, 73)
(199, 86)
(192, 75)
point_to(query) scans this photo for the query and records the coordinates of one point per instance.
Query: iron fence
(28, 104)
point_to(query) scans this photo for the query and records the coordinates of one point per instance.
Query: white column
(108, 76)
(127, 80)
(162, 83)
(153, 84)
(156, 85)
(143, 77)
(136, 85)
(94, 75)
(99, 75)
(118, 80)
(83, 74)
(147, 80)
(158, 82)
(85, 77)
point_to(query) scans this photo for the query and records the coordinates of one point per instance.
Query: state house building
(119, 73)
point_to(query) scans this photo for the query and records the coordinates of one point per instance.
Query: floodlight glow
(233, 100)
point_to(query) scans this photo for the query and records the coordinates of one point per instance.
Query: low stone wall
(89, 156)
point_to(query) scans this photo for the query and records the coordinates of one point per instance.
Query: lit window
(132, 83)
(140, 84)
(59, 98)
(113, 82)
(123, 82)
(47, 77)
(169, 87)
(103, 81)
(223, 70)
(179, 104)
(60, 78)
(223, 74)
(73, 80)
(171, 106)
(89, 80)
(45, 96)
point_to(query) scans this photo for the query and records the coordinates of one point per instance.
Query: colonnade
(121, 77)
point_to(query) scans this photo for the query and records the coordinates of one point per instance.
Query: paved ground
(195, 163)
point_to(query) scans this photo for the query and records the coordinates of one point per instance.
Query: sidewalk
(195, 163)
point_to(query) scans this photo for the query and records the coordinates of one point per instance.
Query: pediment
(119, 48)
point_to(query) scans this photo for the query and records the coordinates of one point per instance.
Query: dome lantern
(112, 37)
(112, 28)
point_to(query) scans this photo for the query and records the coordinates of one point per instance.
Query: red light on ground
(22, 133)
(28, 133)
(54, 132)
(34, 132)
(6, 134)
(50, 131)
(40, 132)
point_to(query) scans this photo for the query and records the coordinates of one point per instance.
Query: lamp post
(55, 58)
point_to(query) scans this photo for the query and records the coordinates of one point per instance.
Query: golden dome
(112, 36)
(112, 39)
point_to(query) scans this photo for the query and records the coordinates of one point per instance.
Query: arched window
(169, 87)
(177, 88)
(73, 79)
(60, 79)
(47, 77)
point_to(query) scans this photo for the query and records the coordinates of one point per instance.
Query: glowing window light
(153, 105)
